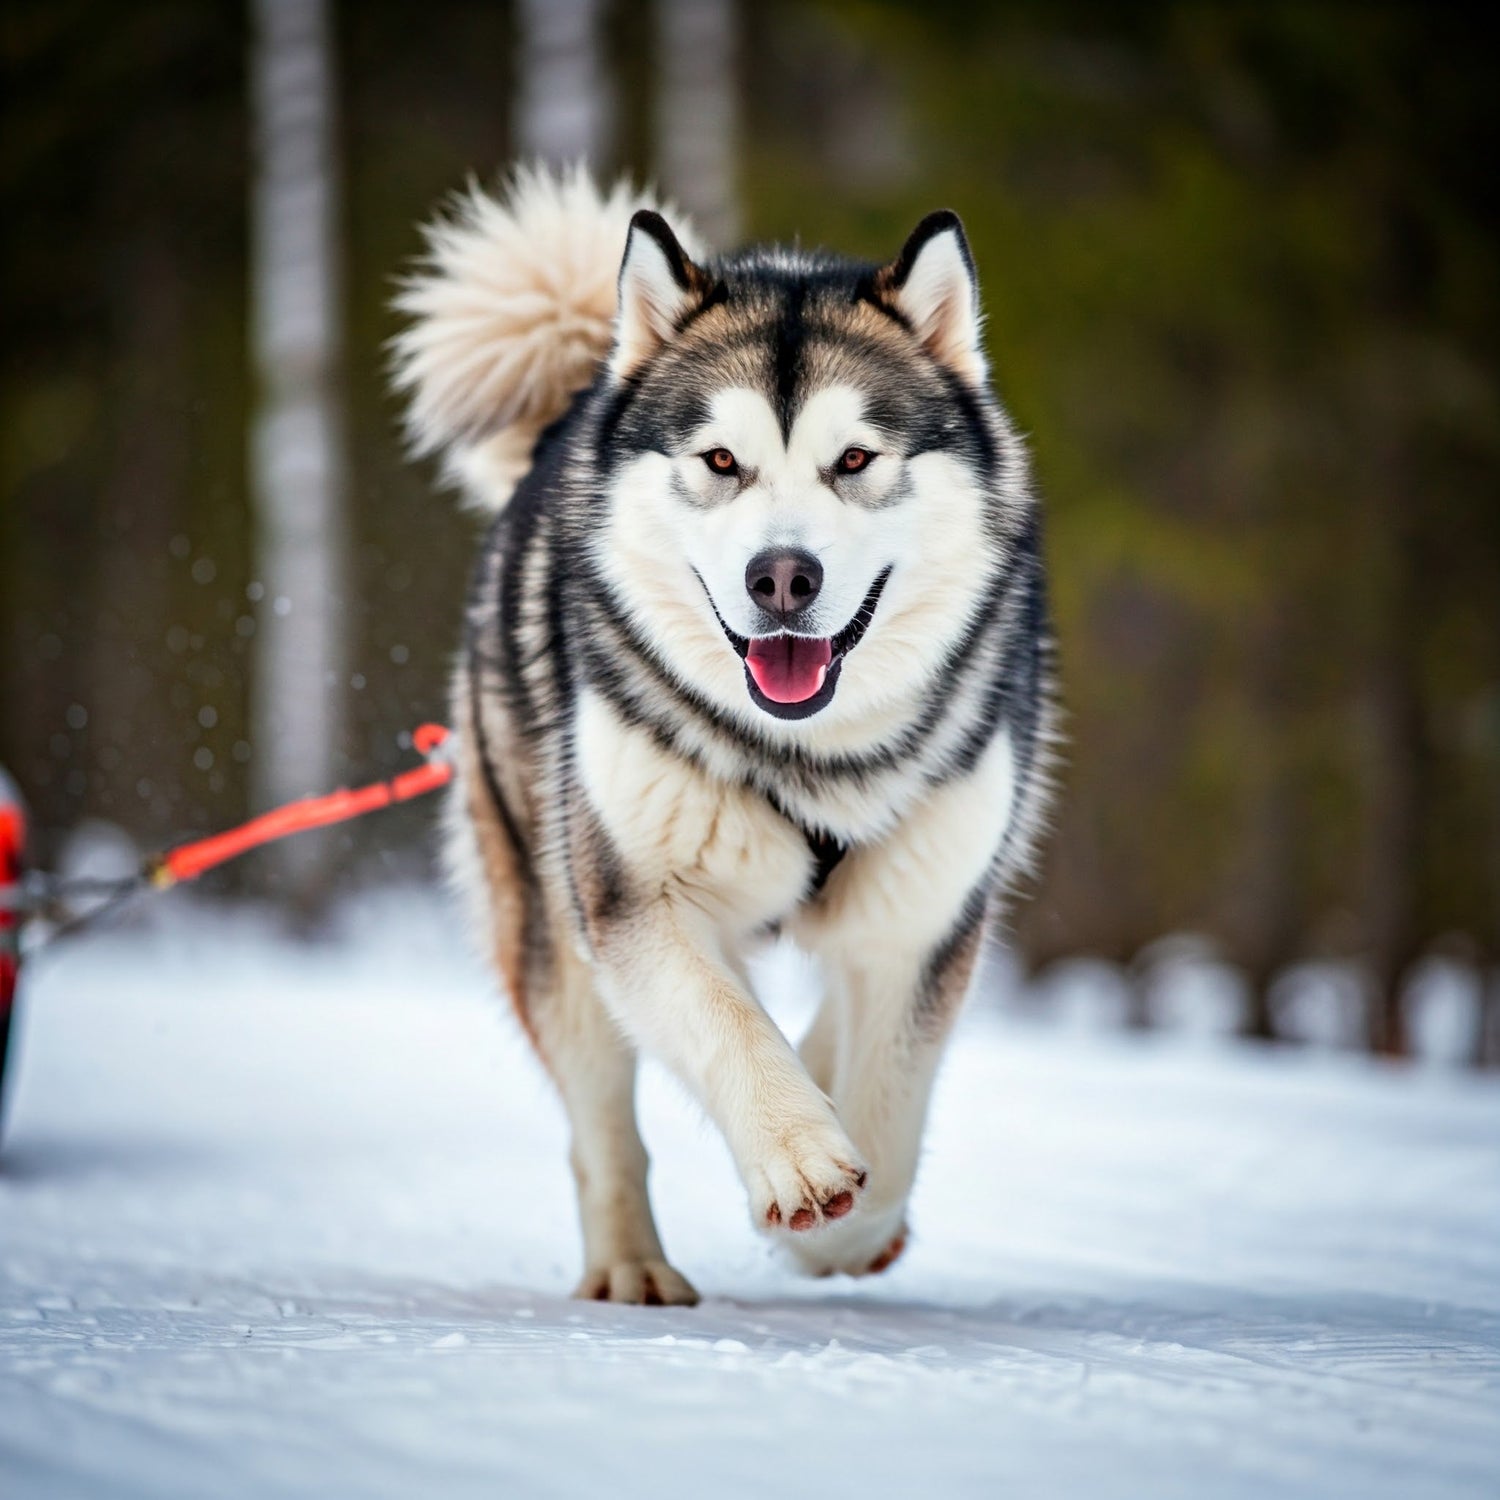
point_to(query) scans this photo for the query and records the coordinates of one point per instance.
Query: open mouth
(793, 676)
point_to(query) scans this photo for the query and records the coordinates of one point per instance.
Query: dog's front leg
(666, 976)
(899, 931)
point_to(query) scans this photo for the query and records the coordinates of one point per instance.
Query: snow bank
(278, 1220)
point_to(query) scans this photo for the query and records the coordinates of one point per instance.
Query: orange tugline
(26, 893)
(188, 861)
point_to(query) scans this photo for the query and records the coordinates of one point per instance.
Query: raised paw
(806, 1178)
(650, 1283)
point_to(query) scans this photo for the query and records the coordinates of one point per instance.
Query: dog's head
(800, 454)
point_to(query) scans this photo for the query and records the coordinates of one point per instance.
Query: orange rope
(188, 861)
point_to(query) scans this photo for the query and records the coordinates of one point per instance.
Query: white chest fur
(727, 850)
(723, 847)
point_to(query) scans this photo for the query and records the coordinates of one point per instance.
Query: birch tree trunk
(697, 118)
(297, 454)
(562, 94)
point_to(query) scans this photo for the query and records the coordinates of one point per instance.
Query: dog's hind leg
(594, 1069)
(880, 1034)
(819, 1047)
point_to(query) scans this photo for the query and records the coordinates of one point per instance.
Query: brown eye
(721, 461)
(853, 460)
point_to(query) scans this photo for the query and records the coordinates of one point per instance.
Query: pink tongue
(789, 668)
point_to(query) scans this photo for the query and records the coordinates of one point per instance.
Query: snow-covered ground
(279, 1220)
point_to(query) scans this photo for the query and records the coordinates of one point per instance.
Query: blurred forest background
(1240, 266)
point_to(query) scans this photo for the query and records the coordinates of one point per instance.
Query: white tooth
(822, 674)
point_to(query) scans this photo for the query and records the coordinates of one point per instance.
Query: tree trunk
(297, 457)
(138, 517)
(562, 96)
(1271, 924)
(1259, 1022)
(1397, 512)
(1269, 913)
(696, 116)
(1397, 793)
(1486, 1053)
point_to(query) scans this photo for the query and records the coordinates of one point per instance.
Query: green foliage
(1241, 277)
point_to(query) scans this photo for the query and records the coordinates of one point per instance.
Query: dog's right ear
(658, 286)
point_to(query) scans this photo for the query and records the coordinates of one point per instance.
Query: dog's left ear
(933, 286)
(659, 284)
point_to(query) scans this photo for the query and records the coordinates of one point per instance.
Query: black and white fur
(633, 816)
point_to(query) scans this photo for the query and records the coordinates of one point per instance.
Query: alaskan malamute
(757, 643)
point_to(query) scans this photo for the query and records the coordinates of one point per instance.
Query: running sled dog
(756, 644)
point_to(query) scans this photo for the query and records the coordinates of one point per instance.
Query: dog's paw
(887, 1257)
(860, 1247)
(651, 1283)
(804, 1178)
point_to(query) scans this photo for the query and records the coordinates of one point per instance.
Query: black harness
(827, 851)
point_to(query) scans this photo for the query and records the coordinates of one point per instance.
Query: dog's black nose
(783, 582)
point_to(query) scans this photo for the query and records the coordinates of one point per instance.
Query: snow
(278, 1219)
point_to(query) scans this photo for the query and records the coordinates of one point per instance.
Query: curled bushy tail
(512, 309)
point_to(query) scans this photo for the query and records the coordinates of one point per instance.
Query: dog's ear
(658, 285)
(932, 285)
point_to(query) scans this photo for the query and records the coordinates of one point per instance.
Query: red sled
(185, 862)
(12, 865)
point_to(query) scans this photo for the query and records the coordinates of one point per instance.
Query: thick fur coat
(756, 644)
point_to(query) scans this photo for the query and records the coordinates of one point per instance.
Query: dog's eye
(721, 461)
(852, 460)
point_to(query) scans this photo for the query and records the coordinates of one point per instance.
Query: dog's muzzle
(795, 676)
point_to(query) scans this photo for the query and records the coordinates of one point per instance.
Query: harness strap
(827, 852)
